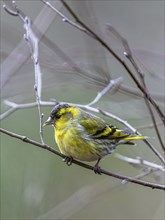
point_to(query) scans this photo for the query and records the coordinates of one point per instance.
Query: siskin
(84, 136)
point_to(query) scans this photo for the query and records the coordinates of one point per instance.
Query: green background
(37, 184)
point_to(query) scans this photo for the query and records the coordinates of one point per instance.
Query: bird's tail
(128, 140)
(134, 137)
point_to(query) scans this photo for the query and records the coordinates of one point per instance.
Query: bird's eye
(57, 116)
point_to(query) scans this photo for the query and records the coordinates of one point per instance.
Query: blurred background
(36, 184)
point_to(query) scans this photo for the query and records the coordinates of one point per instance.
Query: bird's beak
(49, 121)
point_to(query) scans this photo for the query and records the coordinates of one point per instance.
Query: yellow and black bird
(84, 136)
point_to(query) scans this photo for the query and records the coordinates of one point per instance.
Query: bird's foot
(68, 160)
(97, 168)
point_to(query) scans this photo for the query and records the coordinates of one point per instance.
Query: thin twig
(115, 175)
(15, 107)
(64, 18)
(12, 11)
(111, 84)
(32, 42)
(140, 161)
(147, 172)
(155, 124)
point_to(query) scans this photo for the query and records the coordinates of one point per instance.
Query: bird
(84, 136)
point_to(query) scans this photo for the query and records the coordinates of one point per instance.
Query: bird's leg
(68, 160)
(97, 167)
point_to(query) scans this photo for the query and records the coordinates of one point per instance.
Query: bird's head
(62, 114)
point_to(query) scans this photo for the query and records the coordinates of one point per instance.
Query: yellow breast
(72, 144)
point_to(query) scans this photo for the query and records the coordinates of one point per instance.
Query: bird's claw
(97, 170)
(68, 160)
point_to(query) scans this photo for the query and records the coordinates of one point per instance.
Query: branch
(64, 18)
(111, 84)
(14, 106)
(140, 161)
(115, 175)
(146, 173)
(33, 43)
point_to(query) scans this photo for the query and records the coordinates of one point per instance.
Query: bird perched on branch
(84, 136)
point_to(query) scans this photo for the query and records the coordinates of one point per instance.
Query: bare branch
(112, 83)
(64, 18)
(11, 11)
(108, 173)
(139, 161)
(147, 172)
(33, 42)
(15, 107)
